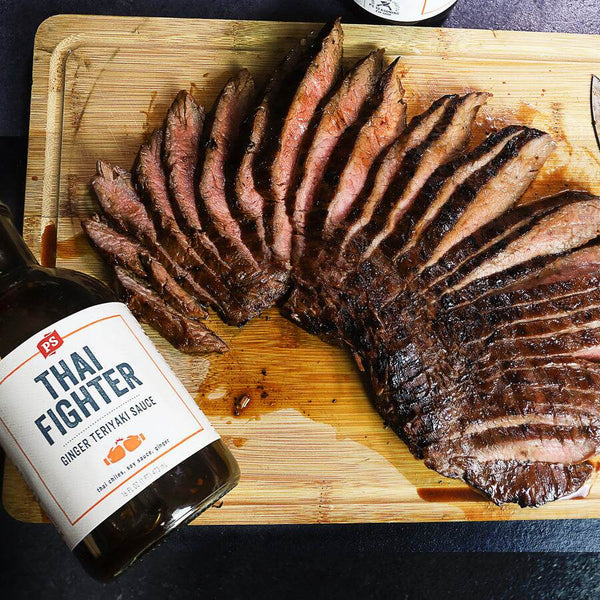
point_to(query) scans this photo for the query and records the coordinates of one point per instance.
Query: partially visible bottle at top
(107, 437)
(409, 12)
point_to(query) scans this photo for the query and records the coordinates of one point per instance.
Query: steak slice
(249, 203)
(378, 127)
(191, 337)
(116, 248)
(339, 114)
(152, 182)
(558, 395)
(487, 241)
(440, 188)
(483, 196)
(121, 203)
(543, 371)
(121, 250)
(416, 134)
(558, 233)
(183, 130)
(122, 206)
(535, 442)
(567, 228)
(561, 283)
(215, 180)
(322, 72)
(322, 277)
(527, 484)
(447, 139)
(166, 287)
(534, 317)
(448, 124)
(382, 128)
(578, 265)
(574, 341)
(365, 273)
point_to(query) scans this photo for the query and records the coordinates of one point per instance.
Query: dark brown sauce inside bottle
(31, 299)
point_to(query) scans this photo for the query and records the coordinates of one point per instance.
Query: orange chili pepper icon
(118, 451)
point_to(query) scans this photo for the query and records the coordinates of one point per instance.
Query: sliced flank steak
(474, 317)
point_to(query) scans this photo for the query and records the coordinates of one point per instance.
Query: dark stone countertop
(326, 561)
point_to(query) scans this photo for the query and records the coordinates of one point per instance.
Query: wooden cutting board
(311, 448)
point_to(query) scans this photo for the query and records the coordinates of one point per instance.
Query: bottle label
(408, 11)
(91, 414)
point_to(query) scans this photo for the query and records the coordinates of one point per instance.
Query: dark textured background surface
(398, 561)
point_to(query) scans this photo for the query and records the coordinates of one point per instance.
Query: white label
(91, 414)
(407, 11)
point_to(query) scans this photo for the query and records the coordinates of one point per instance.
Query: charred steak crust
(475, 318)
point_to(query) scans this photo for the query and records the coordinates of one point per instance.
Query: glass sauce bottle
(430, 13)
(32, 300)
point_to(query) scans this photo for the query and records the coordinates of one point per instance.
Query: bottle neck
(14, 253)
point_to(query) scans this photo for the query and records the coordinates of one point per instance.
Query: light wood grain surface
(311, 448)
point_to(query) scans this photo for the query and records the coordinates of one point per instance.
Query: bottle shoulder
(33, 297)
(33, 279)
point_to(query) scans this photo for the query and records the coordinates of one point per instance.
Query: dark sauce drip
(48, 246)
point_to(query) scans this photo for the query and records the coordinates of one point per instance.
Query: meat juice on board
(111, 443)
